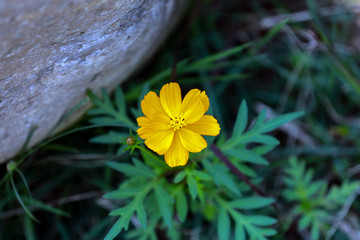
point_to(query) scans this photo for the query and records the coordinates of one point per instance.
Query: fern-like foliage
(246, 224)
(158, 196)
(154, 196)
(315, 203)
(142, 181)
(106, 112)
(236, 147)
(256, 226)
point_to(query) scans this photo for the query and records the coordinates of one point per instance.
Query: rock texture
(52, 51)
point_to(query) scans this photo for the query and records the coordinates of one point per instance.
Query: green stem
(18, 163)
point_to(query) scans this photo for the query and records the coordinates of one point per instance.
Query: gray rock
(52, 51)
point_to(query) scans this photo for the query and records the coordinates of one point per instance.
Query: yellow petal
(205, 100)
(144, 124)
(192, 141)
(190, 98)
(149, 127)
(151, 104)
(194, 113)
(161, 117)
(207, 125)
(177, 155)
(192, 107)
(143, 121)
(170, 98)
(160, 141)
(145, 132)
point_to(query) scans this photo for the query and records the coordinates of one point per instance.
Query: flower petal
(205, 100)
(177, 155)
(193, 96)
(151, 104)
(147, 132)
(170, 98)
(143, 121)
(144, 131)
(192, 107)
(192, 141)
(194, 113)
(149, 127)
(207, 125)
(160, 141)
(161, 117)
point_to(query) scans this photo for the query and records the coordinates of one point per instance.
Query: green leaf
(259, 122)
(105, 107)
(192, 184)
(29, 228)
(109, 138)
(304, 222)
(106, 99)
(164, 203)
(93, 98)
(120, 101)
(179, 177)
(241, 120)
(119, 211)
(202, 175)
(24, 181)
(181, 206)
(153, 160)
(122, 193)
(239, 231)
(219, 175)
(280, 120)
(251, 202)
(103, 120)
(18, 197)
(221, 55)
(97, 229)
(263, 149)
(266, 231)
(247, 156)
(40, 205)
(130, 170)
(257, 138)
(223, 225)
(246, 170)
(141, 214)
(260, 220)
(254, 232)
(141, 166)
(315, 231)
(121, 223)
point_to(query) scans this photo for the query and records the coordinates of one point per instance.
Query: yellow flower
(172, 126)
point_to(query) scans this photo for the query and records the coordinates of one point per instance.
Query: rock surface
(52, 51)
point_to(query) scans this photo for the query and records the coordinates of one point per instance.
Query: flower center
(177, 122)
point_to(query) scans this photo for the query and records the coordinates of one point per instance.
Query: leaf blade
(223, 225)
(280, 120)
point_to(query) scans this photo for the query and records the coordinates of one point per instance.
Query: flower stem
(237, 172)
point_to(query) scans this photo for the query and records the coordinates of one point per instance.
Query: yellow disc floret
(177, 122)
(173, 126)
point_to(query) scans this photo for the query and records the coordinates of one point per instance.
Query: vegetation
(283, 83)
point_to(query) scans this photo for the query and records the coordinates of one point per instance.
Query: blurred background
(301, 56)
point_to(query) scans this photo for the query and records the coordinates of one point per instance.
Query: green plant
(152, 192)
(315, 203)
